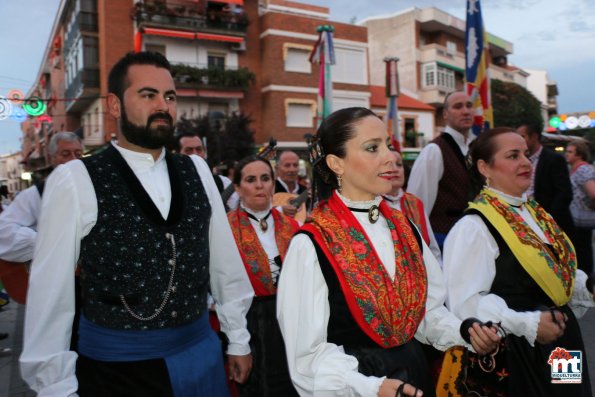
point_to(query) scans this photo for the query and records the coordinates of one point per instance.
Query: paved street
(11, 319)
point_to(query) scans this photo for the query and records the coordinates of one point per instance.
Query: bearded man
(144, 224)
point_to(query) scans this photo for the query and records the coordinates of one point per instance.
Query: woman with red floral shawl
(262, 234)
(355, 291)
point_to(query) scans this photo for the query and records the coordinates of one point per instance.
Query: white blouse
(471, 250)
(320, 368)
(68, 213)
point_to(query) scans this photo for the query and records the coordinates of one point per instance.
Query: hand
(484, 339)
(289, 210)
(389, 387)
(552, 324)
(239, 367)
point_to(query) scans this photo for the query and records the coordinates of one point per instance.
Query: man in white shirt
(439, 175)
(143, 224)
(18, 222)
(287, 168)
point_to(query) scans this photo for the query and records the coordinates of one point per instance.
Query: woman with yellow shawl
(507, 260)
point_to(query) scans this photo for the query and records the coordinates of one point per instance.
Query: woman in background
(411, 206)
(262, 234)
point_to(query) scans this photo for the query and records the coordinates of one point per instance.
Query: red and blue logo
(566, 365)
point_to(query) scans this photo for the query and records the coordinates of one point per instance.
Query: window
(438, 76)
(451, 47)
(429, 74)
(299, 114)
(297, 60)
(350, 67)
(156, 48)
(216, 61)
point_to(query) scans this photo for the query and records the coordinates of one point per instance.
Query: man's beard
(145, 136)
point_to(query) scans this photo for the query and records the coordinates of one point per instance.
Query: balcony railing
(85, 22)
(191, 16)
(85, 79)
(212, 77)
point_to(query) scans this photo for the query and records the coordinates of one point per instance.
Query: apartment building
(545, 90)
(289, 82)
(227, 56)
(430, 44)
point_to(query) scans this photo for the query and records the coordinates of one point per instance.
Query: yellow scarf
(553, 268)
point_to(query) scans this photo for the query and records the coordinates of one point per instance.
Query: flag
(323, 54)
(392, 107)
(477, 79)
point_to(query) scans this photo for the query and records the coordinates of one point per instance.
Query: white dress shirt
(18, 226)
(395, 202)
(319, 368)
(471, 250)
(428, 168)
(69, 212)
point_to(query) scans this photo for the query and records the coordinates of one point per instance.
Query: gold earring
(488, 181)
(339, 183)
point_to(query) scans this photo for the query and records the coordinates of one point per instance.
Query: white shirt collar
(257, 214)
(140, 160)
(297, 186)
(359, 204)
(459, 138)
(512, 200)
(396, 198)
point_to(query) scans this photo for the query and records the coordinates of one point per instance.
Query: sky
(553, 35)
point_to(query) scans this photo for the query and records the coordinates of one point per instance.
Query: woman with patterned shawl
(412, 207)
(354, 290)
(262, 234)
(508, 260)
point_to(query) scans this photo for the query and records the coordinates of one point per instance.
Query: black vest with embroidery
(128, 258)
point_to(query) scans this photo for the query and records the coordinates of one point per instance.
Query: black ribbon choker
(373, 213)
(262, 222)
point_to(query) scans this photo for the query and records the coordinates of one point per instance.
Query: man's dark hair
(184, 134)
(533, 128)
(117, 77)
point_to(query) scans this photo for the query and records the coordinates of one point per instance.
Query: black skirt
(270, 374)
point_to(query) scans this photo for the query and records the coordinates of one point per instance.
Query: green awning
(451, 67)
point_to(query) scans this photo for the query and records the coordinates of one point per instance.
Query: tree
(514, 105)
(228, 139)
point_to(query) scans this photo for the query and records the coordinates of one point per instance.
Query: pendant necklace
(262, 222)
(373, 212)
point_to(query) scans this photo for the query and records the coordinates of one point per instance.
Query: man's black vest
(128, 258)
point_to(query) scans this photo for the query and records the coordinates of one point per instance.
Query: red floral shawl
(253, 255)
(388, 311)
(413, 208)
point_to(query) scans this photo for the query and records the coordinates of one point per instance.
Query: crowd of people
(137, 261)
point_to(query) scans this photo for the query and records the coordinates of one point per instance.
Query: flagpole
(323, 54)
(392, 103)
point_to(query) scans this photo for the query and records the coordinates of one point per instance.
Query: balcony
(437, 53)
(205, 77)
(82, 90)
(189, 16)
(84, 22)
